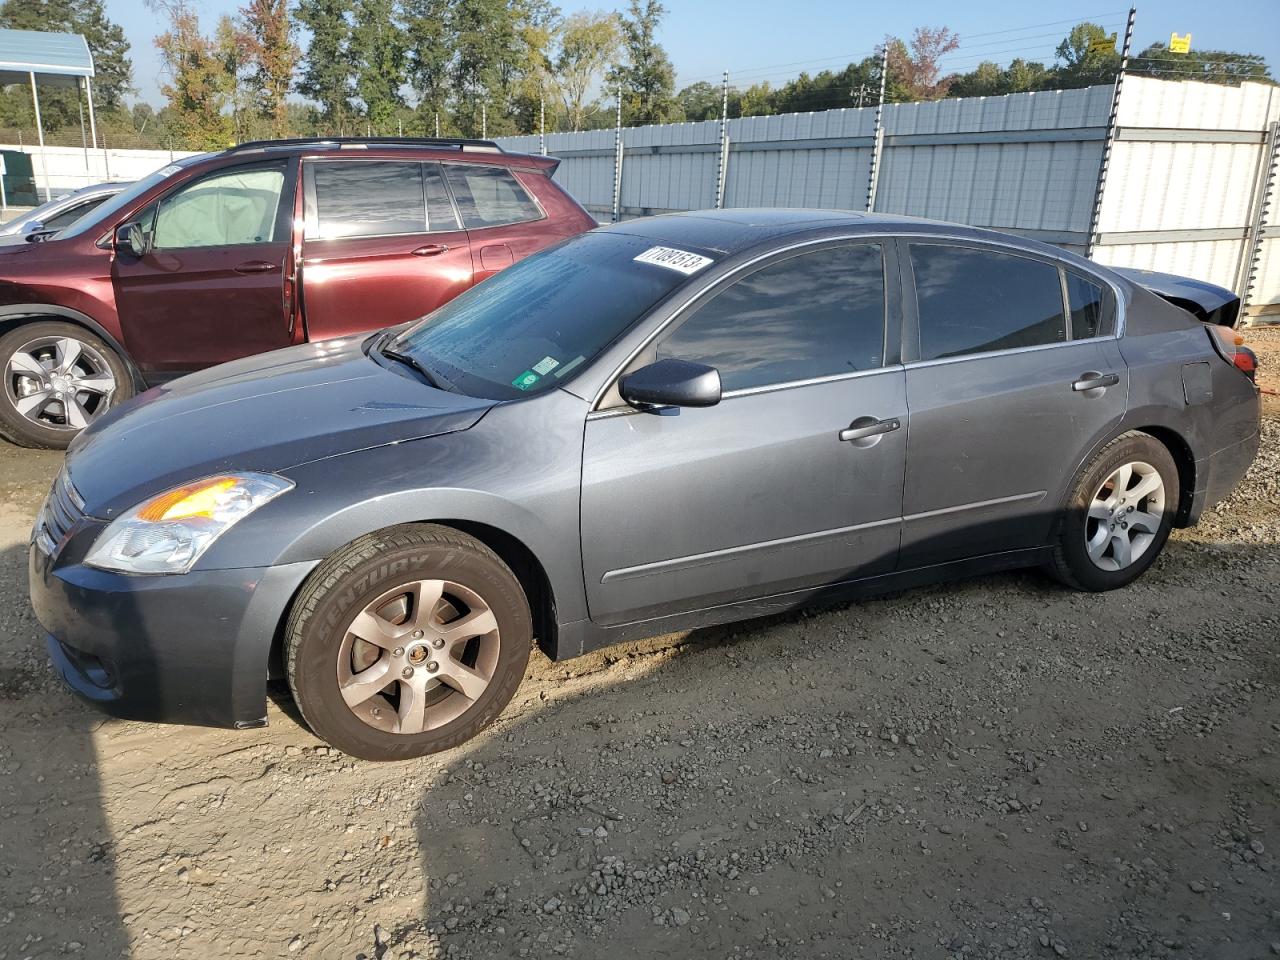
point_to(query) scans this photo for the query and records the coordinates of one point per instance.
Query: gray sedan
(58, 213)
(658, 425)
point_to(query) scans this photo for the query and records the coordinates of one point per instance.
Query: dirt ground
(996, 768)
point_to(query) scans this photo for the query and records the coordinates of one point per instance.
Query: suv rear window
(489, 196)
(376, 198)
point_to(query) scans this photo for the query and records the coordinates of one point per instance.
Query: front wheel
(58, 378)
(1119, 515)
(407, 642)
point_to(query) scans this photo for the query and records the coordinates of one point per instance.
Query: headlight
(168, 533)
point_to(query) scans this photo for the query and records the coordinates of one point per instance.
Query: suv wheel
(1119, 515)
(58, 378)
(407, 642)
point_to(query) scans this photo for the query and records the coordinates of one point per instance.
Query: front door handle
(431, 250)
(256, 266)
(1095, 381)
(865, 428)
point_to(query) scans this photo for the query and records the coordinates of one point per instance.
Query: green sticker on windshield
(525, 380)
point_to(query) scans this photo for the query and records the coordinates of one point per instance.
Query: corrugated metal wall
(1186, 173)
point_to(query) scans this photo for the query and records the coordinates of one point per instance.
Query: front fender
(517, 471)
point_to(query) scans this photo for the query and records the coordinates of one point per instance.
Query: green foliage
(1209, 66)
(328, 72)
(589, 42)
(647, 78)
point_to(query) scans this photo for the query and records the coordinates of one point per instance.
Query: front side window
(375, 198)
(1088, 305)
(974, 301)
(489, 196)
(230, 208)
(814, 315)
(531, 327)
(72, 214)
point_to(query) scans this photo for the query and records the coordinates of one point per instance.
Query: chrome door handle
(867, 430)
(431, 250)
(1095, 381)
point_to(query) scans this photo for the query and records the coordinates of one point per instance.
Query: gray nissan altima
(658, 425)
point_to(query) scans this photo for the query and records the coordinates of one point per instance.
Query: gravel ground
(995, 768)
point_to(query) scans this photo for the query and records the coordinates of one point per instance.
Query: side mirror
(672, 383)
(131, 238)
(35, 226)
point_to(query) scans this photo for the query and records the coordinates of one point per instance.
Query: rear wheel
(407, 642)
(58, 378)
(1119, 515)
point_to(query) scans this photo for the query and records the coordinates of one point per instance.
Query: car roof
(728, 232)
(443, 148)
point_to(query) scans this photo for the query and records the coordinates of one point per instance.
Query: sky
(755, 42)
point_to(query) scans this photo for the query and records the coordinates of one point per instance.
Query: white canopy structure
(58, 59)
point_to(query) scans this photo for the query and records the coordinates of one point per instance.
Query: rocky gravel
(998, 768)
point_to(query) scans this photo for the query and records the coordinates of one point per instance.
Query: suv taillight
(1230, 344)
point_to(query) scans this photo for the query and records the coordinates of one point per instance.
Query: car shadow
(902, 773)
(57, 850)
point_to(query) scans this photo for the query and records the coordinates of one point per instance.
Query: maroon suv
(268, 244)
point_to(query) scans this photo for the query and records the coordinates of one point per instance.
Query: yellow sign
(1179, 44)
(1103, 45)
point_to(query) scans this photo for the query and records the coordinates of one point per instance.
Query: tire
(1088, 552)
(368, 590)
(37, 360)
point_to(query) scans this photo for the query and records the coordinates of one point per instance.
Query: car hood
(265, 413)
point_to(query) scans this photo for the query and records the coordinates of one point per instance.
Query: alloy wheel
(59, 382)
(418, 656)
(1124, 516)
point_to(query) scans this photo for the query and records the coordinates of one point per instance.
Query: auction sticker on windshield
(682, 261)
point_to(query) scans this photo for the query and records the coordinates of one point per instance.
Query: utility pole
(862, 92)
(877, 143)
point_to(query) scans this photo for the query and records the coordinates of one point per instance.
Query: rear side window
(1088, 303)
(376, 198)
(973, 301)
(813, 315)
(489, 196)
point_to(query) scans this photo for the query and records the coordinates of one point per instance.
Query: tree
(430, 50)
(328, 76)
(589, 42)
(914, 69)
(199, 87)
(647, 79)
(700, 101)
(266, 42)
(1088, 57)
(378, 54)
(1210, 66)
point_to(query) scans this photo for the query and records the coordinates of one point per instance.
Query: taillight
(1230, 344)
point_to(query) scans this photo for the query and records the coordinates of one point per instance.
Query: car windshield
(531, 327)
(123, 199)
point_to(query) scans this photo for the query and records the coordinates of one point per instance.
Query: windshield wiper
(413, 362)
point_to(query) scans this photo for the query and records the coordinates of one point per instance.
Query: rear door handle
(861, 429)
(256, 266)
(1095, 381)
(431, 250)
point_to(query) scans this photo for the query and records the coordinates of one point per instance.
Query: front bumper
(192, 648)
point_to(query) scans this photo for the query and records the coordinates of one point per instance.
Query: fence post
(617, 161)
(722, 171)
(542, 122)
(1109, 141)
(877, 140)
(1265, 199)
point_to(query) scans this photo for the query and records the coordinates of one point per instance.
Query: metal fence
(1187, 189)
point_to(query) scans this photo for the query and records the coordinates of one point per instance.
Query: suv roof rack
(454, 143)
